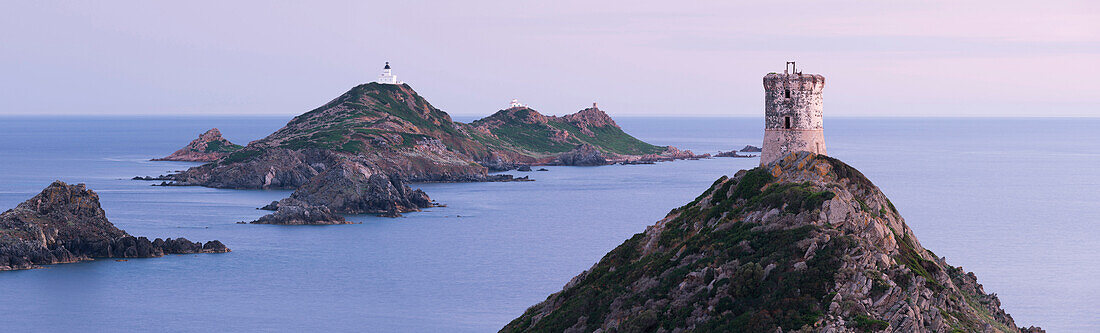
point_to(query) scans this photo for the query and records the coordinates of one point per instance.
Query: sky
(470, 58)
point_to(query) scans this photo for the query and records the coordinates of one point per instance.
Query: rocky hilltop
(66, 224)
(210, 146)
(804, 244)
(528, 132)
(356, 153)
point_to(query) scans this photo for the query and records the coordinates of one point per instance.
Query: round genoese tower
(792, 114)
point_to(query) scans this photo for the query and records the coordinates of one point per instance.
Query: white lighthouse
(387, 76)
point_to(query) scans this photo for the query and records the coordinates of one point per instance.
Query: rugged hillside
(65, 224)
(210, 146)
(527, 131)
(392, 135)
(805, 244)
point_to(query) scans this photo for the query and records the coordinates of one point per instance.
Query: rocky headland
(357, 153)
(805, 244)
(210, 146)
(65, 224)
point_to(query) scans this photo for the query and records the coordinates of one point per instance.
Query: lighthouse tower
(387, 76)
(792, 114)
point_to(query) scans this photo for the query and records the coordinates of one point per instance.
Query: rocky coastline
(65, 224)
(358, 153)
(805, 244)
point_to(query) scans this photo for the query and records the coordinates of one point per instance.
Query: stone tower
(792, 114)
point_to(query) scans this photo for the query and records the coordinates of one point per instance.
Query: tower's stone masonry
(792, 115)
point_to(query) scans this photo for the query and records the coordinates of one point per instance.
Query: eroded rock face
(210, 146)
(274, 169)
(583, 155)
(346, 189)
(804, 244)
(290, 212)
(65, 223)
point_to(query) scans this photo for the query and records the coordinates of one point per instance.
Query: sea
(1014, 200)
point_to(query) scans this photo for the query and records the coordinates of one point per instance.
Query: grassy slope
(221, 147)
(347, 131)
(535, 138)
(750, 302)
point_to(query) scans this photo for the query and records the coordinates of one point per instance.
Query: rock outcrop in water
(732, 153)
(379, 137)
(66, 224)
(804, 244)
(345, 189)
(210, 146)
(582, 155)
(751, 149)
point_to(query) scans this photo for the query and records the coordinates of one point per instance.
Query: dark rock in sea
(298, 213)
(161, 177)
(805, 244)
(542, 169)
(271, 206)
(732, 153)
(65, 223)
(583, 155)
(345, 189)
(750, 149)
(524, 168)
(670, 154)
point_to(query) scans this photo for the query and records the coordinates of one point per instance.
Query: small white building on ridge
(387, 76)
(515, 104)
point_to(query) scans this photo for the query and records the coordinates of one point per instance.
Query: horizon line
(664, 115)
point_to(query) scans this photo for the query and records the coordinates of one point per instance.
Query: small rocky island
(357, 153)
(65, 224)
(210, 146)
(805, 243)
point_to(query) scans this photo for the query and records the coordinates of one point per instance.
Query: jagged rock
(210, 146)
(65, 223)
(345, 189)
(524, 168)
(751, 149)
(542, 169)
(298, 213)
(805, 244)
(670, 154)
(732, 153)
(583, 155)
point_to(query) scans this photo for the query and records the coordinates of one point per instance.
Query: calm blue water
(1014, 200)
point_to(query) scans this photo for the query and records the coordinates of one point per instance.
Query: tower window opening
(787, 122)
(787, 93)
